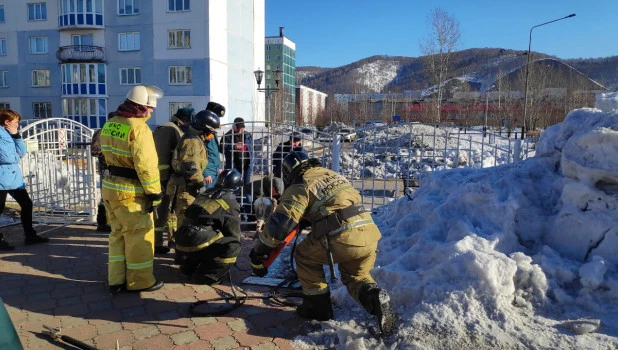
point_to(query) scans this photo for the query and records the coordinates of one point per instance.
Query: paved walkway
(63, 284)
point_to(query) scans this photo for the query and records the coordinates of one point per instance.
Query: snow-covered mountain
(473, 70)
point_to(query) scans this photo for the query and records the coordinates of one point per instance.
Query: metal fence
(61, 175)
(58, 171)
(381, 161)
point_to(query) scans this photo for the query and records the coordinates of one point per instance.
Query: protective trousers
(131, 243)
(354, 251)
(183, 201)
(164, 221)
(211, 264)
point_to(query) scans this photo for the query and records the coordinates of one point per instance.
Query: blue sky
(338, 32)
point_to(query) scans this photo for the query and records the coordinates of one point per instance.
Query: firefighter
(210, 233)
(131, 191)
(166, 139)
(341, 228)
(188, 163)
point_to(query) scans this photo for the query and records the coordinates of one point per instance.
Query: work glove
(195, 187)
(155, 200)
(259, 254)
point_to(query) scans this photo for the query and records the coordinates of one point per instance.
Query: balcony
(80, 53)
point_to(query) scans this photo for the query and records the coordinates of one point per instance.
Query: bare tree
(438, 49)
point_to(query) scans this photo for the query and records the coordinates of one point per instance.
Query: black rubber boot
(35, 239)
(316, 307)
(4, 245)
(377, 302)
(117, 289)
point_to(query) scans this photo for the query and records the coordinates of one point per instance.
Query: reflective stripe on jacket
(128, 143)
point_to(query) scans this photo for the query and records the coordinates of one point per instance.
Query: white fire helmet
(145, 95)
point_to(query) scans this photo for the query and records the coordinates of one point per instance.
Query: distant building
(78, 59)
(310, 105)
(280, 53)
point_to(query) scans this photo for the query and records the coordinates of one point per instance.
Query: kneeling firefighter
(188, 163)
(341, 228)
(210, 233)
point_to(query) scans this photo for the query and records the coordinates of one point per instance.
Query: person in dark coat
(293, 144)
(237, 147)
(209, 236)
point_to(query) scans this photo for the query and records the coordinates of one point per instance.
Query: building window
(267, 47)
(179, 39)
(37, 11)
(268, 57)
(3, 81)
(42, 110)
(2, 47)
(128, 41)
(38, 44)
(2, 14)
(130, 76)
(174, 106)
(40, 77)
(128, 7)
(179, 5)
(180, 75)
(84, 41)
(4, 105)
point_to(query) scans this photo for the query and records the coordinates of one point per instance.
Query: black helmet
(230, 179)
(206, 121)
(217, 108)
(292, 165)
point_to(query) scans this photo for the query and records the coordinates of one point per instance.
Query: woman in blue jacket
(12, 149)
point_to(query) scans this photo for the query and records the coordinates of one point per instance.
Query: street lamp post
(259, 75)
(523, 129)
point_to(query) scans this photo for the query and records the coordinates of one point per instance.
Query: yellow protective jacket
(328, 201)
(189, 161)
(127, 143)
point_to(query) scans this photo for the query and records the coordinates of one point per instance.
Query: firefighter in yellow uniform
(188, 163)
(340, 228)
(166, 139)
(131, 191)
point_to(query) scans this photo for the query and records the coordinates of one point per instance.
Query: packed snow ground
(516, 256)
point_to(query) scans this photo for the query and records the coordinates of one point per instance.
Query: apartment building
(310, 105)
(280, 54)
(78, 58)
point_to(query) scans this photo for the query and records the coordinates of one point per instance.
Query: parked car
(375, 123)
(347, 134)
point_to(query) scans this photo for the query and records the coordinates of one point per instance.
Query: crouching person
(339, 226)
(209, 236)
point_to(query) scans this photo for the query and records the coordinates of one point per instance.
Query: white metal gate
(59, 173)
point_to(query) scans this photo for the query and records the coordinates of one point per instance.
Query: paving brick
(158, 342)
(265, 346)
(283, 344)
(70, 321)
(184, 337)
(73, 310)
(238, 325)
(198, 321)
(250, 340)
(146, 332)
(109, 327)
(212, 331)
(84, 332)
(224, 343)
(195, 345)
(108, 341)
(174, 326)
